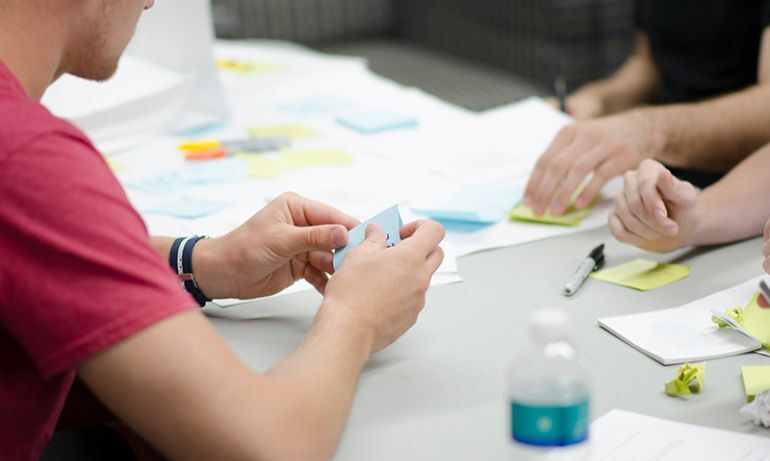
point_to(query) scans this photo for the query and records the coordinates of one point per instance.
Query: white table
(439, 393)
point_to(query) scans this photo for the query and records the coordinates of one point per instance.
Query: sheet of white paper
(623, 436)
(686, 333)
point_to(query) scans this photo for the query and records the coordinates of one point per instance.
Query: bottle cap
(549, 324)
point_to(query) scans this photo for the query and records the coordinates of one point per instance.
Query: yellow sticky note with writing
(572, 217)
(285, 130)
(265, 166)
(643, 274)
(316, 157)
(756, 379)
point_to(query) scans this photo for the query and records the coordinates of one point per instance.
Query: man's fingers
(374, 237)
(434, 259)
(424, 237)
(766, 232)
(622, 234)
(580, 169)
(317, 238)
(316, 278)
(676, 191)
(560, 142)
(652, 199)
(638, 208)
(307, 212)
(322, 260)
(630, 222)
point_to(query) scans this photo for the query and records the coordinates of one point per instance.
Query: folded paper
(689, 380)
(643, 274)
(389, 220)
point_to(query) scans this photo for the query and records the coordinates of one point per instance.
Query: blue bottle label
(549, 426)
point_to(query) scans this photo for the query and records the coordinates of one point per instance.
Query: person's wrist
(336, 318)
(211, 269)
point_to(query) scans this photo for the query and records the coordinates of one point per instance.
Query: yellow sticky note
(572, 217)
(756, 320)
(285, 130)
(316, 157)
(116, 166)
(643, 274)
(245, 67)
(756, 379)
(265, 166)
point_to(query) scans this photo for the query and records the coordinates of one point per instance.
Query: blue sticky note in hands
(370, 122)
(389, 220)
(477, 204)
(188, 208)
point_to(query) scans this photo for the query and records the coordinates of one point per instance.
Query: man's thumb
(321, 238)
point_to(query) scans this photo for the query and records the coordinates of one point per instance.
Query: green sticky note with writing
(643, 274)
(756, 379)
(285, 130)
(571, 217)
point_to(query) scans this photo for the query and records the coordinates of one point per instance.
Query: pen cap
(549, 325)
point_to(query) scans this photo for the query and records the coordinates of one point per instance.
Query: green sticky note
(265, 166)
(571, 217)
(643, 274)
(316, 157)
(284, 130)
(689, 380)
(756, 379)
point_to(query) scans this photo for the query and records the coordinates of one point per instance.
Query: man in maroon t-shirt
(87, 297)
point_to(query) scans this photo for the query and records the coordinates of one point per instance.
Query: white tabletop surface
(439, 392)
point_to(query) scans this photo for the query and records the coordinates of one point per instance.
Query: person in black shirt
(695, 96)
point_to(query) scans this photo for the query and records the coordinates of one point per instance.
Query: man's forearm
(736, 207)
(634, 83)
(713, 135)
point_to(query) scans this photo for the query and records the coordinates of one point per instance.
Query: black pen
(560, 85)
(593, 262)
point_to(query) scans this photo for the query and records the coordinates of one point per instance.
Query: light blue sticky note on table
(167, 183)
(476, 204)
(389, 220)
(375, 121)
(314, 105)
(188, 208)
(214, 171)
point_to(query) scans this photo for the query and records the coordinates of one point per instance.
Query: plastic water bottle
(549, 393)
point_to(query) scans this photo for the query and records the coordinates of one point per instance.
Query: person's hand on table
(604, 147)
(655, 210)
(581, 105)
(381, 290)
(289, 239)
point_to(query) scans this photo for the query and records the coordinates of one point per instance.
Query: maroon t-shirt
(78, 273)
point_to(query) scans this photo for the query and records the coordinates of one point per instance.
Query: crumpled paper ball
(759, 409)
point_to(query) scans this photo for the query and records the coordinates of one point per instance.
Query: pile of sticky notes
(391, 224)
(643, 274)
(480, 204)
(188, 207)
(689, 380)
(376, 121)
(756, 380)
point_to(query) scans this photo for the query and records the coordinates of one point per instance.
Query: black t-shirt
(703, 48)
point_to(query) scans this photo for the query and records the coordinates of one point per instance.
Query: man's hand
(290, 239)
(581, 105)
(605, 147)
(382, 290)
(655, 211)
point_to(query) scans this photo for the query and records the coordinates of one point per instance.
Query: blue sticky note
(314, 105)
(188, 208)
(389, 220)
(376, 121)
(167, 183)
(476, 204)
